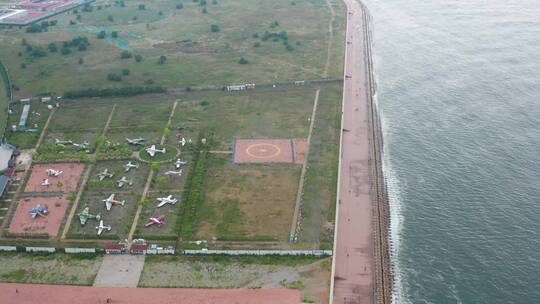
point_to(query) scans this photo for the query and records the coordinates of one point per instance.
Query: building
(4, 181)
(138, 248)
(24, 117)
(7, 155)
(115, 248)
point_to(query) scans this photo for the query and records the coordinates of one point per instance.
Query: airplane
(85, 215)
(179, 163)
(152, 150)
(102, 228)
(136, 141)
(182, 142)
(39, 211)
(83, 145)
(111, 201)
(55, 173)
(121, 182)
(179, 173)
(62, 142)
(45, 182)
(130, 165)
(105, 174)
(160, 220)
(166, 200)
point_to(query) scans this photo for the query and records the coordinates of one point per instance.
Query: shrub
(179, 6)
(125, 72)
(114, 34)
(138, 58)
(125, 55)
(142, 7)
(243, 61)
(214, 28)
(114, 77)
(52, 47)
(162, 59)
(101, 35)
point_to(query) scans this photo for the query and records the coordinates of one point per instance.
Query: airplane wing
(162, 203)
(100, 230)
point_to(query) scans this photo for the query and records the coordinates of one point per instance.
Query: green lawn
(195, 55)
(48, 269)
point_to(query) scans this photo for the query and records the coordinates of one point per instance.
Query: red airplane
(160, 220)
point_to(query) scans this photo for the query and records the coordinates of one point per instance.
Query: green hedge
(110, 92)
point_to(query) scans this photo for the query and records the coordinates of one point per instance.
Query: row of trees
(112, 92)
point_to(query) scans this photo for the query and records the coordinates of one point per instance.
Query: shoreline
(361, 268)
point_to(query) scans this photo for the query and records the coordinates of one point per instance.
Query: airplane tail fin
(122, 203)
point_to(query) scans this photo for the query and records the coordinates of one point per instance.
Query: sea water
(458, 90)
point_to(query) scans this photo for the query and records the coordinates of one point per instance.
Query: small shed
(138, 248)
(115, 248)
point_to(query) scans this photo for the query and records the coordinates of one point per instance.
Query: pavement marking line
(298, 202)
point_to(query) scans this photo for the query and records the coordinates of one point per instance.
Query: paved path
(122, 270)
(353, 254)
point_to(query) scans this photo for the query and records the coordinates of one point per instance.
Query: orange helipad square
(23, 222)
(263, 151)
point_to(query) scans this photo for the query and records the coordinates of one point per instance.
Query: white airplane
(182, 142)
(45, 182)
(179, 163)
(121, 182)
(62, 142)
(102, 228)
(152, 150)
(105, 174)
(136, 141)
(130, 165)
(55, 173)
(83, 145)
(111, 201)
(166, 200)
(179, 173)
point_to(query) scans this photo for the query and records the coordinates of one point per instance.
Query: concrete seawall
(361, 271)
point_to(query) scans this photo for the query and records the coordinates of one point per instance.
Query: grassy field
(4, 102)
(48, 269)
(247, 201)
(36, 119)
(274, 114)
(195, 55)
(318, 209)
(310, 275)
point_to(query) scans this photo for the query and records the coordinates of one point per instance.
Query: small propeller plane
(182, 142)
(179, 173)
(179, 163)
(110, 201)
(153, 150)
(52, 172)
(45, 182)
(167, 200)
(136, 141)
(85, 215)
(105, 174)
(130, 165)
(160, 220)
(39, 211)
(62, 142)
(102, 228)
(121, 182)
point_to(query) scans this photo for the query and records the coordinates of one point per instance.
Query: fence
(260, 252)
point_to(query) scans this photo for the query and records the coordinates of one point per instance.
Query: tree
(101, 35)
(110, 18)
(81, 61)
(52, 47)
(257, 44)
(65, 51)
(138, 58)
(160, 13)
(23, 65)
(205, 11)
(243, 61)
(179, 6)
(38, 52)
(142, 7)
(114, 77)
(162, 59)
(214, 28)
(83, 47)
(214, 2)
(125, 72)
(125, 55)
(23, 42)
(114, 34)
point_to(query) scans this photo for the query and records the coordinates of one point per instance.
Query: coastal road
(353, 280)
